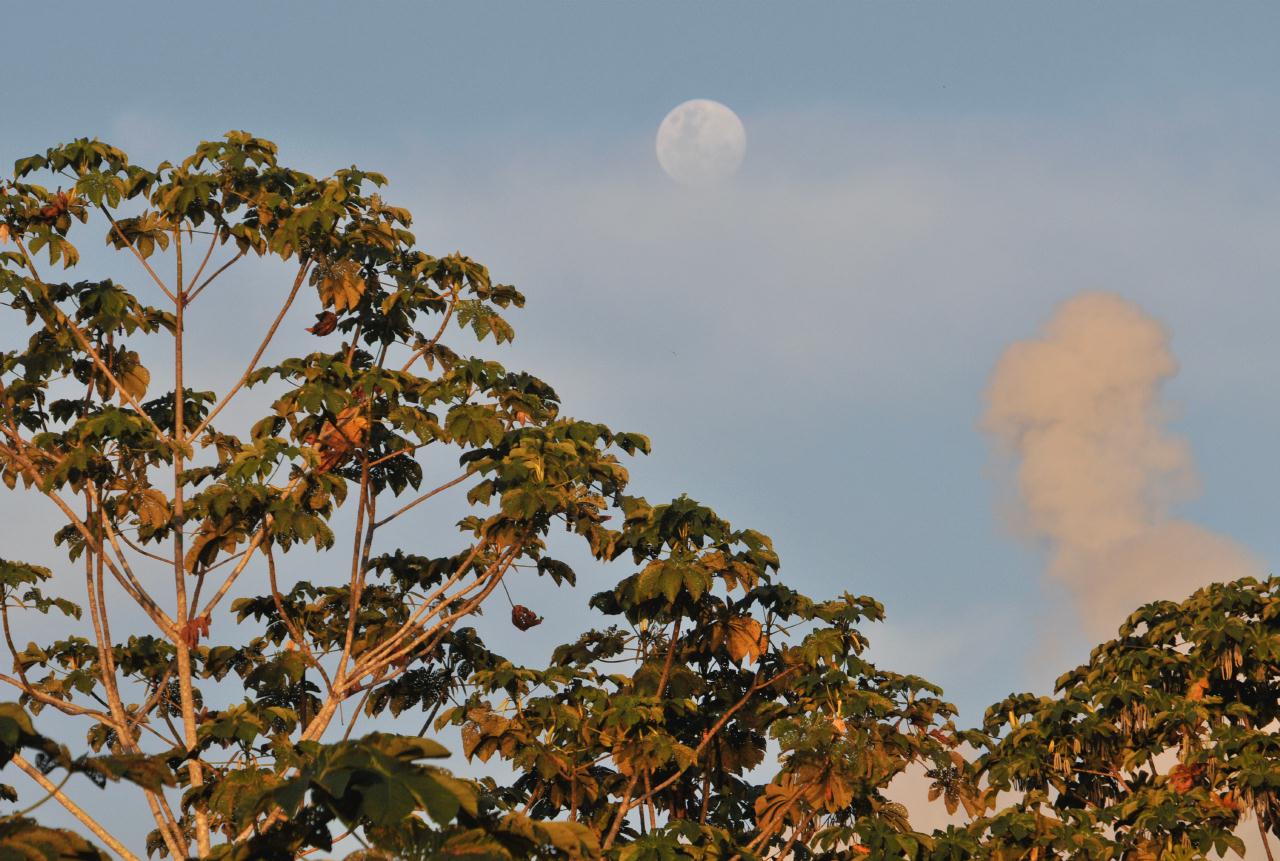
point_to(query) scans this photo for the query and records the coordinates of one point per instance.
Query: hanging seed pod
(56, 207)
(326, 322)
(524, 618)
(1182, 777)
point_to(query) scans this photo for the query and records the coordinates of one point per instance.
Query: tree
(1158, 747)
(640, 740)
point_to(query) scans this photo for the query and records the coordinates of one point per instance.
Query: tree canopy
(714, 712)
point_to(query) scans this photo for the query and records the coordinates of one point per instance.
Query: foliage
(714, 713)
(1160, 745)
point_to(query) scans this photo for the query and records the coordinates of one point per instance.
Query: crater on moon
(701, 143)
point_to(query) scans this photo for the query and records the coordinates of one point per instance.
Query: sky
(813, 345)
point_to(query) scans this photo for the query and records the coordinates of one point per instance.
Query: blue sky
(808, 345)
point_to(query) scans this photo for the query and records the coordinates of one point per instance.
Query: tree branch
(191, 297)
(61, 317)
(262, 348)
(138, 254)
(423, 498)
(73, 808)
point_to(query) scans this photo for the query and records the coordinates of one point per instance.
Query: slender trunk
(358, 550)
(795, 835)
(1262, 832)
(623, 807)
(183, 643)
(106, 663)
(706, 797)
(653, 814)
(625, 804)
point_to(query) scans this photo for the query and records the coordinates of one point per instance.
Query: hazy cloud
(1098, 472)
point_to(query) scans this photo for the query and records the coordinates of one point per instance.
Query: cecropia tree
(641, 739)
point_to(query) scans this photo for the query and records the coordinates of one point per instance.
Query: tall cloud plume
(1098, 474)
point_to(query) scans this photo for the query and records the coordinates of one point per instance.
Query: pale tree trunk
(185, 687)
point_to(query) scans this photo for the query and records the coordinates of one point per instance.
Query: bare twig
(262, 348)
(145, 265)
(213, 243)
(421, 499)
(294, 631)
(191, 297)
(427, 347)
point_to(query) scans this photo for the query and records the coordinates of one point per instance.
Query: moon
(701, 143)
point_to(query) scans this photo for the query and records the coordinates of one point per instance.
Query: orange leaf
(745, 640)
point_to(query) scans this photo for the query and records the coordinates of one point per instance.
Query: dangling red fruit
(524, 618)
(326, 322)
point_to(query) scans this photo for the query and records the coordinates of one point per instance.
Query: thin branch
(421, 499)
(385, 647)
(73, 808)
(719, 725)
(182, 643)
(248, 555)
(1262, 832)
(356, 712)
(235, 572)
(61, 317)
(400, 452)
(671, 655)
(294, 631)
(29, 689)
(625, 805)
(359, 549)
(796, 832)
(430, 638)
(425, 348)
(153, 700)
(139, 594)
(142, 551)
(138, 254)
(262, 348)
(143, 600)
(106, 663)
(213, 243)
(388, 651)
(67, 708)
(622, 812)
(191, 297)
(32, 807)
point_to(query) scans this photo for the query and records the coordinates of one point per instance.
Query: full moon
(701, 143)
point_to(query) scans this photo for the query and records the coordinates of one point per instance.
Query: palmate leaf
(340, 284)
(143, 232)
(483, 321)
(516, 837)
(16, 731)
(133, 377)
(24, 839)
(376, 780)
(16, 574)
(151, 772)
(745, 640)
